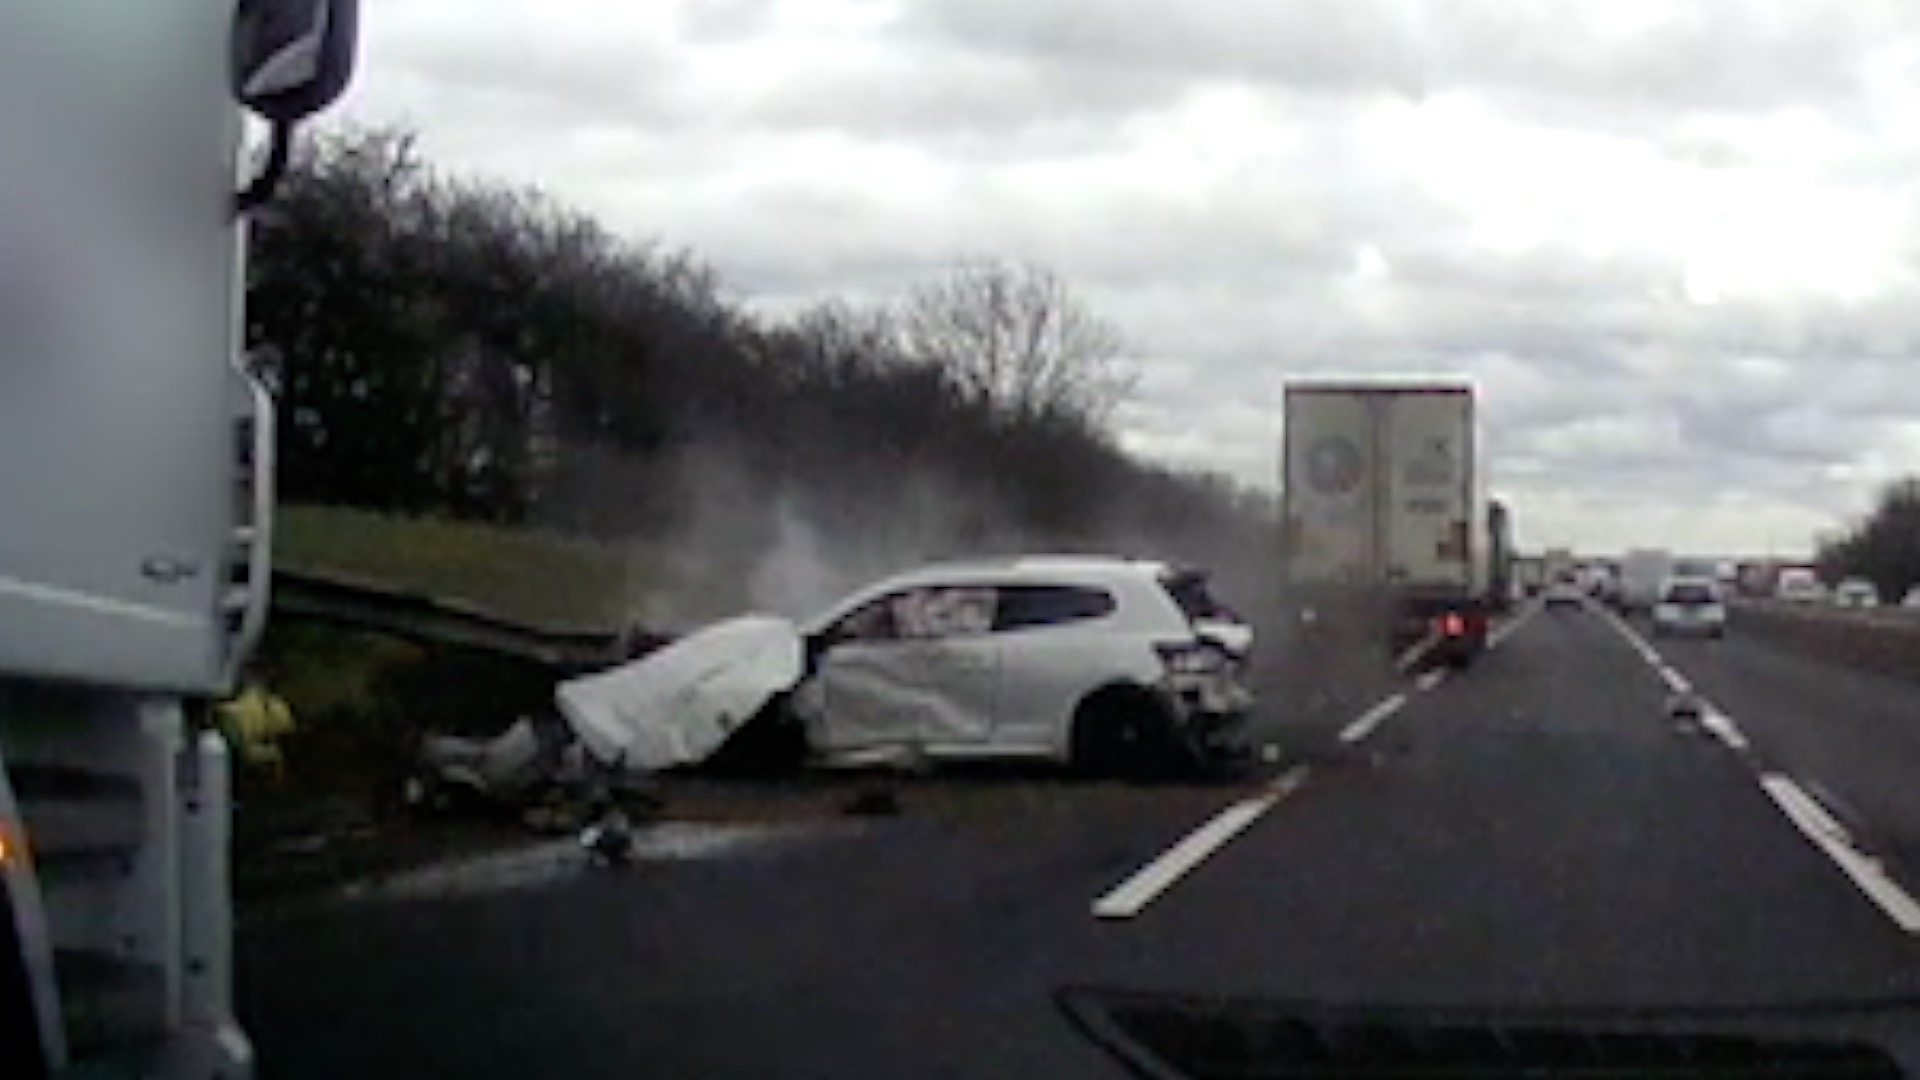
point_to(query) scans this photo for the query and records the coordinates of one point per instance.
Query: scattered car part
(609, 841)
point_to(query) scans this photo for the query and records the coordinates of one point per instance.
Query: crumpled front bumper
(1213, 710)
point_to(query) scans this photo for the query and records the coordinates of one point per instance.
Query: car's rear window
(1189, 590)
(1023, 606)
(1689, 594)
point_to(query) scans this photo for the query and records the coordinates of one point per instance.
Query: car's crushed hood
(678, 705)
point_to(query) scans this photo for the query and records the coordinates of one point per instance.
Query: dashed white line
(1831, 838)
(1415, 653)
(1131, 896)
(1128, 898)
(1724, 729)
(1363, 725)
(1803, 810)
(1675, 681)
(1499, 636)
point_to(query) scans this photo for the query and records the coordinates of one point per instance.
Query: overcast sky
(1674, 242)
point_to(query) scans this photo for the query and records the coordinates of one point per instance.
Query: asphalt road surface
(1536, 836)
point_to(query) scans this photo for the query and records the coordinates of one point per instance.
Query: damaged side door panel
(917, 668)
(905, 692)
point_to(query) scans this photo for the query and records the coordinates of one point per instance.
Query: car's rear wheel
(1127, 732)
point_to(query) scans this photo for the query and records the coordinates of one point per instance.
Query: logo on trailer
(1334, 465)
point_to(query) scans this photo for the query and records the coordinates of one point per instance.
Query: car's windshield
(818, 537)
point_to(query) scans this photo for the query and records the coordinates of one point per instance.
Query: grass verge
(541, 579)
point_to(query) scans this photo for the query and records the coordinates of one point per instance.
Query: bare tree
(1013, 337)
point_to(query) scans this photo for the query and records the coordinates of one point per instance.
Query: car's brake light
(1452, 625)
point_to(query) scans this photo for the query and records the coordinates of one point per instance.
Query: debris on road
(543, 862)
(533, 753)
(1684, 705)
(610, 839)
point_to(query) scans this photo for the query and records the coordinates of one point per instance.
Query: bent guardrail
(450, 622)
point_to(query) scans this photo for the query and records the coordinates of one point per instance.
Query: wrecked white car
(1112, 665)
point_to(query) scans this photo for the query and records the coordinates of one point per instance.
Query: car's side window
(872, 621)
(944, 611)
(1024, 606)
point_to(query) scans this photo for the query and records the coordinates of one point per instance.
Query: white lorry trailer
(136, 494)
(1383, 495)
(1642, 574)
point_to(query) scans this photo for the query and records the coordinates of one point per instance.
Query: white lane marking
(1717, 723)
(1364, 724)
(1802, 809)
(1634, 639)
(1416, 652)
(1832, 839)
(1499, 636)
(1724, 729)
(1288, 782)
(1127, 899)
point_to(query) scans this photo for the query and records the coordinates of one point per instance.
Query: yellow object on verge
(254, 721)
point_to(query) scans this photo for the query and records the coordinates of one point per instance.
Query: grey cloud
(520, 69)
(1709, 54)
(723, 20)
(929, 93)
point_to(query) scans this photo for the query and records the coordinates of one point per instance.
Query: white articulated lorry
(135, 507)
(1642, 573)
(1383, 496)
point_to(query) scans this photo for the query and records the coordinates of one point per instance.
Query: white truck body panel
(1382, 487)
(1642, 575)
(1559, 563)
(119, 258)
(1329, 489)
(1530, 573)
(1431, 514)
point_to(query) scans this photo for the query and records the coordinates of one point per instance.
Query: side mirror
(292, 58)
